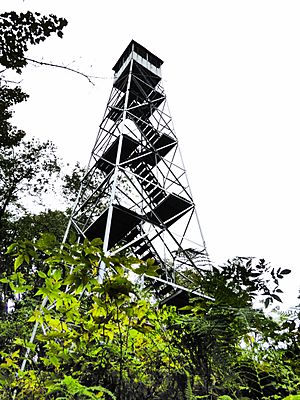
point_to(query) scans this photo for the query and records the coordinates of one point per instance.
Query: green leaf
(97, 242)
(57, 274)
(42, 274)
(18, 261)
(54, 360)
(22, 289)
(11, 248)
(19, 341)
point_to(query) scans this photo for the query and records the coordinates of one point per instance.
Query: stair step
(133, 234)
(148, 255)
(139, 242)
(157, 195)
(108, 159)
(148, 187)
(147, 129)
(144, 173)
(168, 211)
(142, 249)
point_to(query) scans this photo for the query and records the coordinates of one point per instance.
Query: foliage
(72, 182)
(99, 334)
(19, 30)
(10, 136)
(232, 346)
(243, 280)
(109, 339)
(27, 167)
(106, 339)
(30, 225)
(71, 387)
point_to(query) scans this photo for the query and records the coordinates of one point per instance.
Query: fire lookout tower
(135, 194)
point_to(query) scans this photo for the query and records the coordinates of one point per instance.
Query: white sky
(232, 80)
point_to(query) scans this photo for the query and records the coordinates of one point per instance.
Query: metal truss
(135, 195)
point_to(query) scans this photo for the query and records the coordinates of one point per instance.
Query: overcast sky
(231, 76)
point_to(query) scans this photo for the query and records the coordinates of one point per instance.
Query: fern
(70, 387)
(189, 395)
(188, 390)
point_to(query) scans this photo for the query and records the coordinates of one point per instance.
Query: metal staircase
(135, 195)
(149, 209)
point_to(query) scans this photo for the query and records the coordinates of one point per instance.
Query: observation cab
(145, 65)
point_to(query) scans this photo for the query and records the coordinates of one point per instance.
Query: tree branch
(88, 77)
(9, 81)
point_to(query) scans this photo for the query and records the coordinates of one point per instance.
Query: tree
(10, 135)
(25, 169)
(19, 30)
(233, 347)
(26, 166)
